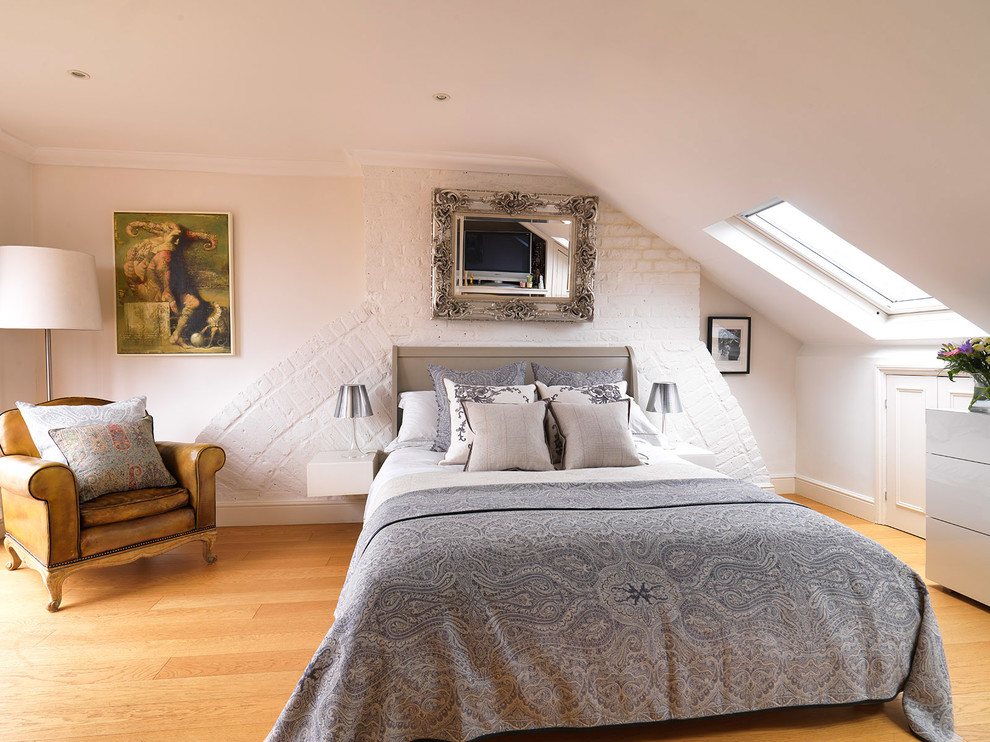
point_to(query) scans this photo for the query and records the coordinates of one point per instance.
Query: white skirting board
(845, 500)
(290, 512)
(783, 484)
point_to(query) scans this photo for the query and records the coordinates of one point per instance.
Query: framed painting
(172, 273)
(729, 343)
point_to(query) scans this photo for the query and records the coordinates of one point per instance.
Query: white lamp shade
(45, 288)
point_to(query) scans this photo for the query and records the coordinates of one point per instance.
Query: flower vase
(981, 400)
(981, 395)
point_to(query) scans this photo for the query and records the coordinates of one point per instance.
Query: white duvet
(411, 469)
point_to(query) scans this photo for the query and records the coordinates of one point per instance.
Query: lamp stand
(48, 361)
(354, 452)
(668, 443)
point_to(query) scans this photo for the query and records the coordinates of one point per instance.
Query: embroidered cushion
(507, 436)
(114, 457)
(513, 373)
(461, 435)
(42, 418)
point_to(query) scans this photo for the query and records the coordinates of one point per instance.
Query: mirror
(513, 255)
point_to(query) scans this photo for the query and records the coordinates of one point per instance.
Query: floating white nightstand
(332, 474)
(694, 454)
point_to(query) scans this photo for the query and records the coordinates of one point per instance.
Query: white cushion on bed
(460, 433)
(595, 435)
(419, 421)
(507, 436)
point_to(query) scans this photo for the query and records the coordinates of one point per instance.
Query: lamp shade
(664, 398)
(45, 288)
(352, 401)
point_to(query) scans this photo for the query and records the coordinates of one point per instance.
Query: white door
(907, 400)
(954, 395)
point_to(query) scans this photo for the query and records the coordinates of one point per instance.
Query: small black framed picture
(729, 343)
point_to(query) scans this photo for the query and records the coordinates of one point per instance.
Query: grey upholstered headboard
(409, 363)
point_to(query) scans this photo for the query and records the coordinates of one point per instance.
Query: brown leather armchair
(49, 530)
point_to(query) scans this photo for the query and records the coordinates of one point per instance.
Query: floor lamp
(45, 288)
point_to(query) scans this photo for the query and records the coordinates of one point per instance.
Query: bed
(480, 602)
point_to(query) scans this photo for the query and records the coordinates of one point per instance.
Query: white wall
(19, 349)
(309, 313)
(298, 262)
(838, 405)
(647, 296)
(768, 394)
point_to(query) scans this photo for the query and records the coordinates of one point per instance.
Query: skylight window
(813, 243)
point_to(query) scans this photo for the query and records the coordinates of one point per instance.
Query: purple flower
(966, 348)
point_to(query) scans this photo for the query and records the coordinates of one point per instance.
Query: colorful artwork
(173, 283)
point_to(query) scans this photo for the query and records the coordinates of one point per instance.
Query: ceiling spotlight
(79, 74)
(441, 96)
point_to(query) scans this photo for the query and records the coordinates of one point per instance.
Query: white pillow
(419, 421)
(595, 435)
(460, 432)
(42, 418)
(640, 424)
(507, 436)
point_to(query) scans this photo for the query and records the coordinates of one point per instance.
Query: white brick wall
(647, 296)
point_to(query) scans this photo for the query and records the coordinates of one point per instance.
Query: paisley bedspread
(469, 611)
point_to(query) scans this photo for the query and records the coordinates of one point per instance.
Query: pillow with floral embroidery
(115, 457)
(512, 373)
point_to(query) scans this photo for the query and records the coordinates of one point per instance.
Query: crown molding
(350, 166)
(457, 161)
(190, 162)
(15, 147)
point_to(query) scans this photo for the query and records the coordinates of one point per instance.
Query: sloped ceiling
(873, 117)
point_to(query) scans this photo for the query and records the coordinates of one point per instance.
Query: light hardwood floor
(168, 649)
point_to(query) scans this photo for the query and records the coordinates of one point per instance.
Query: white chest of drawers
(958, 502)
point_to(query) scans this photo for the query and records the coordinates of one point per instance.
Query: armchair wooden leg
(15, 560)
(53, 581)
(208, 541)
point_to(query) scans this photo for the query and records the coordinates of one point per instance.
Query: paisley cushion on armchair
(115, 457)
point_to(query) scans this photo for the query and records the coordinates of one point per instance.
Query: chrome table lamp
(664, 399)
(353, 402)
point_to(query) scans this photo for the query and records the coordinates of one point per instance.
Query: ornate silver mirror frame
(450, 206)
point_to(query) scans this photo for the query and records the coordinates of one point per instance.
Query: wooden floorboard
(171, 650)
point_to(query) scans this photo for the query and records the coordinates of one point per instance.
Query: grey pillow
(510, 375)
(40, 419)
(595, 435)
(557, 377)
(507, 436)
(598, 394)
